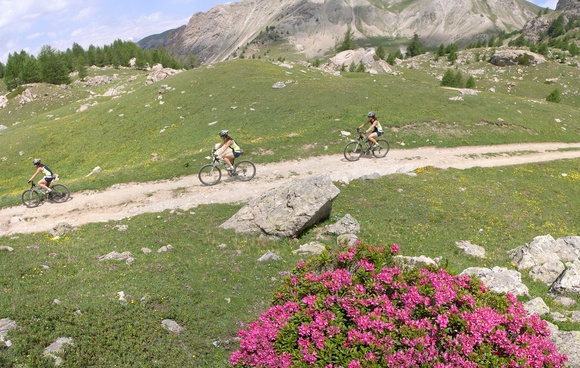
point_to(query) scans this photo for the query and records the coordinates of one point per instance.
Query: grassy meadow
(211, 282)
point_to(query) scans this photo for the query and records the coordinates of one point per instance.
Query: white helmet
(224, 133)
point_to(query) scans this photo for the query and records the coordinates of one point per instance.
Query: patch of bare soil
(126, 200)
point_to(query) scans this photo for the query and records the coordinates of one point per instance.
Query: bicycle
(31, 197)
(355, 148)
(211, 174)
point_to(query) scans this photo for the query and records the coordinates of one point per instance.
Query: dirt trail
(126, 200)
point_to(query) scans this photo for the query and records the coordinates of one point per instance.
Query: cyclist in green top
(376, 128)
(228, 149)
(48, 175)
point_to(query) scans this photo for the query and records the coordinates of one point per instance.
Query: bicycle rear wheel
(59, 193)
(209, 174)
(382, 149)
(353, 150)
(245, 170)
(30, 198)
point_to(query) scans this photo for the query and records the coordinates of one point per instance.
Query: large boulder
(286, 211)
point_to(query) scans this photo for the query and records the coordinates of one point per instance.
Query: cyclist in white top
(376, 128)
(48, 175)
(228, 149)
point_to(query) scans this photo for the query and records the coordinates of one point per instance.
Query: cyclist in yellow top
(377, 129)
(228, 149)
(48, 175)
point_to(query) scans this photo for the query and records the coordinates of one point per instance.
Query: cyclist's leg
(45, 183)
(373, 137)
(229, 159)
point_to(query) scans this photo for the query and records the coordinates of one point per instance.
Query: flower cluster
(357, 308)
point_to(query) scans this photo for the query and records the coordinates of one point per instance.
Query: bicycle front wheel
(59, 193)
(209, 174)
(30, 198)
(245, 170)
(382, 149)
(353, 151)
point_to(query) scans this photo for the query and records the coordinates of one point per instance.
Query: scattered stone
(171, 325)
(122, 227)
(536, 306)
(471, 249)
(146, 250)
(96, 170)
(165, 248)
(279, 85)
(269, 256)
(61, 229)
(415, 262)
(499, 279)
(6, 248)
(346, 225)
(56, 348)
(348, 240)
(312, 248)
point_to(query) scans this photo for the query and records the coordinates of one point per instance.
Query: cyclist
(228, 149)
(48, 175)
(376, 128)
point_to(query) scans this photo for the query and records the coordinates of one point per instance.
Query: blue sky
(29, 24)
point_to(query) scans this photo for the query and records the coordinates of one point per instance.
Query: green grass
(121, 134)
(213, 291)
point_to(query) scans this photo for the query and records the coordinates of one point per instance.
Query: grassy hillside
(211, 282)
(121, 134)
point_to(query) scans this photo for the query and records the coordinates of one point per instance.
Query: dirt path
(126, 200)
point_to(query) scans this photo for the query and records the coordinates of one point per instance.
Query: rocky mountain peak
(313, 27)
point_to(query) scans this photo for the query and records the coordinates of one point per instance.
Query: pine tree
(348, 42)
(52, 66)
(381, 52)
(470, 82)
(416, 47)
(554, 96)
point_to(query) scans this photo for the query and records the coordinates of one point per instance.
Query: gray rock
(312, 248)
(286, 211)
(269, 256)
(6, 248)
(348, 240)
(499, 279)
(568, 281)
(56, 348)
(5, 326)
(566, 342)
(536, 306)
(61, 229)
(548, 272)
(539, 251)
(346, 225)
(171, 325)
(471, 249)
(415, 262)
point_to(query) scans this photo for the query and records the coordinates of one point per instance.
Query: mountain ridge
(315, 27)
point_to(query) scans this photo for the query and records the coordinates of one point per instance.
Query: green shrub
(554, 96)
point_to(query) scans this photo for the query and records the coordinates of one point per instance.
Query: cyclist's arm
(35, 173)
(373, 125)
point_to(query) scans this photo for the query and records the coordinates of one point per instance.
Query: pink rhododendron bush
(354, 307)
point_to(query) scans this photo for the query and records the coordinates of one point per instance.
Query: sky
(30, 24)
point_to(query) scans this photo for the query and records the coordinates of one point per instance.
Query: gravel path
(126, 200)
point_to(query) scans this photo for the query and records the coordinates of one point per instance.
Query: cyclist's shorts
(48, 180)
(237, 154)
(378, 133)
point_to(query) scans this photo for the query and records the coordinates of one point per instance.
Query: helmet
(223, 133)
(371, 114)
(36, 161)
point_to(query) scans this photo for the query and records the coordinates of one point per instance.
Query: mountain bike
(211, 174)
(31, 197)
(355, 148)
